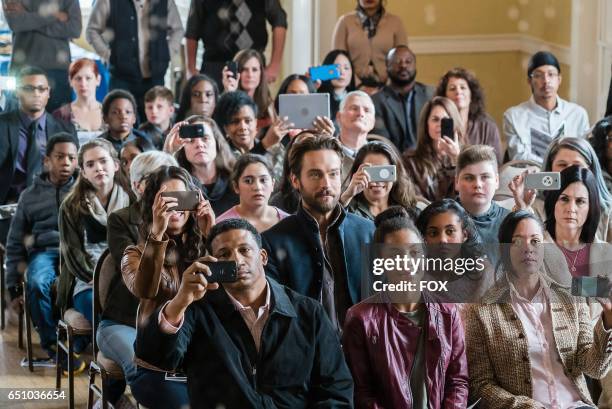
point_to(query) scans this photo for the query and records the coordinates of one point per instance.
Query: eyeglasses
(539, 76)
(30, 89)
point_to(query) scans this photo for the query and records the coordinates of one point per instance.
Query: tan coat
(349, 35)
(498, 356)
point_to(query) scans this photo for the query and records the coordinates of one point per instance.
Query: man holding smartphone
(259, 344)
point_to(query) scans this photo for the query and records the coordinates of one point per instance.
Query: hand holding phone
(382, 173)
(543, 181)
(191, 131)
(232, 67)
(324, 72)
(221, 271)
(447, 128)
(186, 200)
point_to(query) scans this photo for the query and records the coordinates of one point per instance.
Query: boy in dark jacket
(33, 240)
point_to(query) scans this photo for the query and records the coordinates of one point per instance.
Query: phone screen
(447, 127)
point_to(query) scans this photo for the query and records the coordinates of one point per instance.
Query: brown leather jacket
(149, 275)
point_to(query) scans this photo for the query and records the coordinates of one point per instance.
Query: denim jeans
(151, 390)
(83, 303)
(116, 341)
(42, 268)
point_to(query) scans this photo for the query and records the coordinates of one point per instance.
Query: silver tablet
(302, 109)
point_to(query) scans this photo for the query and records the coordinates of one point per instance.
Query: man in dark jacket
(24, 134)
(252, 343)
(398, 105)
(33, 241)
(318, 251)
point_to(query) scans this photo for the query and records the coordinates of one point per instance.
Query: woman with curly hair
(169, 242)
(462, 87)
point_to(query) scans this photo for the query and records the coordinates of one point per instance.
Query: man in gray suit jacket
(24, 133)
(399, 104)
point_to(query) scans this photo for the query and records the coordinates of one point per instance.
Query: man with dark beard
(399, 103)
(318, 251)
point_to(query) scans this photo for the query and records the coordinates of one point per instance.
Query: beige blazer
(497, 349)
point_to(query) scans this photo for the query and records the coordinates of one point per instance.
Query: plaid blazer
(497, 349)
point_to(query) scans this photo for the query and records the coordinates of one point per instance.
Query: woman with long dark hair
(169, 242)
(368, 199)
(338, 88)
(531, 343)
(387, 337)
(431, 166)
(252, 181)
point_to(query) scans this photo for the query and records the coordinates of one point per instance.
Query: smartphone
(591, 287)
(232, 67)
(543, 181)
(222, 271)
(176, 377)
(192, 131)
(187, 199)
(324, 72)
(448, 127)
(383, 173)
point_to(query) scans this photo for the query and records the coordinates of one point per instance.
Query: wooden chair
(106, 368)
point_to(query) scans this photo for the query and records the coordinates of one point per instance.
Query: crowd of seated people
(301, 215)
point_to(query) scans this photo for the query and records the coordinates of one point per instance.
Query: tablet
(302, 109)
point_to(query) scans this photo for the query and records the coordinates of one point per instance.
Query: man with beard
(25, 132)
(251, 343)
(318, 251)
(532, 125)
(399, 104)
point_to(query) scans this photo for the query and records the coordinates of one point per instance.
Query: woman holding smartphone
(208, 159)
(531, 343)
(562, 153)
(252, 181)
(250, 77)
(431, 166)
(367, 198)
(338, 88)
(171, 241)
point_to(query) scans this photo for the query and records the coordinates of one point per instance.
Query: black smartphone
(187, 199)
(192, 131)
(222, 271)
(447, 127)
(232, 66)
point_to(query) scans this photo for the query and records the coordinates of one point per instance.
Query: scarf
(370, 23)
(118, 200)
